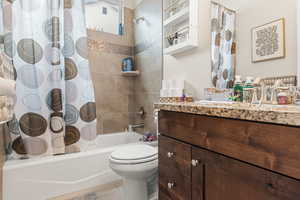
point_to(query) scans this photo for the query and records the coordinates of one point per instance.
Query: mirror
(105, 16)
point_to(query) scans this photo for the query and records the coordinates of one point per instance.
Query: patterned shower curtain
(55, 109)
(223, 46)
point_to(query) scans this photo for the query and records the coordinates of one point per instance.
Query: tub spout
(132, 127)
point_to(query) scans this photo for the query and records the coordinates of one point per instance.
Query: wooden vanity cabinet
(217, 177)
(174, 169)
(191, 172)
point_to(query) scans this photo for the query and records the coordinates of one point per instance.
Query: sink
(214, 102)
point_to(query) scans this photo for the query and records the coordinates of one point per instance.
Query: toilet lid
(134, 152)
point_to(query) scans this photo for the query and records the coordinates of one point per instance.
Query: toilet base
(135, 189)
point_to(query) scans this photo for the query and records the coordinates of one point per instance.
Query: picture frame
(271, 48)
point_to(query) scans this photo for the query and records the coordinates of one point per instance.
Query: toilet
(135, 164)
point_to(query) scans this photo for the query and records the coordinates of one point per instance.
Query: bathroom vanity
(229, 152)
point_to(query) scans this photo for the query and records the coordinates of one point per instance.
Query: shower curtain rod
(223, 6)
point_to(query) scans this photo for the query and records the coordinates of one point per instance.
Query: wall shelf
(181, 15)
(131, 73)
(178, 48)
(187, 18)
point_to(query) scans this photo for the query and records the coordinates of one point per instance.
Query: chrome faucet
(132, 127)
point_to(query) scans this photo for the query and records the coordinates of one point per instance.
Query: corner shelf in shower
(131, 74)
(188, 18)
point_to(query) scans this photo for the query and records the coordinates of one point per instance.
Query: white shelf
(187, 17)
(180, 16)
(131, 73)
(179, 48)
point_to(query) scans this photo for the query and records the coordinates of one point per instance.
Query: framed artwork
(268, 41)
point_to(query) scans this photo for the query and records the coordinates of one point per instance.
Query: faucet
(131, 127)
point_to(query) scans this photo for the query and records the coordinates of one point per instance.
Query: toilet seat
(135, 154)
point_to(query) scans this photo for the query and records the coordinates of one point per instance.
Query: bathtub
(50, 177)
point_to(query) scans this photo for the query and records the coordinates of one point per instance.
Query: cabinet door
(229, 179)
(174, 170)
(198, 175)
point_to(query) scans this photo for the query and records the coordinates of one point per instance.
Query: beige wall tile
(115, 122)
(106, 52)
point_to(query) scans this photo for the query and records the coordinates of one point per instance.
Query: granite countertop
(279, 114)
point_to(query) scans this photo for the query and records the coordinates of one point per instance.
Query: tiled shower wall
(119, 98)
(148, 59)
(112, 90)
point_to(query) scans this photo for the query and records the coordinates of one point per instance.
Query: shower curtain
(223, 46)
(55, 110)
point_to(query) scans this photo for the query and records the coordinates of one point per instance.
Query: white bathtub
(49, 177)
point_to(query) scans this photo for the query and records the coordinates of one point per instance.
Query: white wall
(129, 4)
(134, 3)
(194, 66)
(96, 20)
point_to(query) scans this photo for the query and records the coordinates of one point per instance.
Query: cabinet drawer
(229, 179)
(271, 146)
(174, 169)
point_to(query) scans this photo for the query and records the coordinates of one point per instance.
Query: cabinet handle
(171, 185)
(195, 163)
(170, 154)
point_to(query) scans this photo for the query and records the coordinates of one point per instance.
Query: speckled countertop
(279, 114)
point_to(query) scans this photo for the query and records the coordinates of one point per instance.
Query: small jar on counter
(282, 98)
(248, 95)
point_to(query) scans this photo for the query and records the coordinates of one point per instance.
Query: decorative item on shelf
(181, 25)
(268, 41)
(181, 35)
(174, 7)
(175, 38)
(170, 39)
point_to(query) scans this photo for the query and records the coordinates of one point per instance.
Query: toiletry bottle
(248, 90)
(238, 89)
